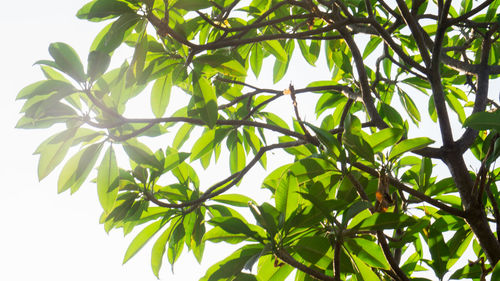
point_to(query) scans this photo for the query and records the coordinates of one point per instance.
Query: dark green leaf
(67, 60)
(114, 33)
(379, 221)
(98, 62)
(233, 264)
(192, 5)
(99, 10)
(313, 249)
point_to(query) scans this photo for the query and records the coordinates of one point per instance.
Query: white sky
(46, 236)
(50, 236)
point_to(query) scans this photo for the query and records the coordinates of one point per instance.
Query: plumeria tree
(358, 198)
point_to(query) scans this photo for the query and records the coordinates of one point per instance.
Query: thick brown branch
(416, 31)
(480, 102)
(434, 77)
(363, 79)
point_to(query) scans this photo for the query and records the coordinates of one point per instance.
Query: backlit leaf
(409, 145)
(107, 180)
(78, 168)
(67, 60)
(142, 238)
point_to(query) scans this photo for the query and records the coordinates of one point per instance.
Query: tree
(360, 199)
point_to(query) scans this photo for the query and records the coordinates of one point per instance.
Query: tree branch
(399, 185)
(434, 77)
(286, 257)
(470, 134)
(223, 185)
(363, 79)
(416, 31)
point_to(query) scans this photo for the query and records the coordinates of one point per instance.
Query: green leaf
(174, 159)
(308, 168)
(368, 251)
(158, 251)
(432, 109)
(205, 100)
(78, 168)
(327, 139)
(160, 95)
(225, 64)
(352, 139)
(238, 200)
(365, 272)
(458, 244)
(98, 62)
(455, 105)
(256, 58)
(99, 10)
(67, 60)
(380, 221)
(266, 270)
(182, 135)
(108, 180)
(233, 225)
(409, 145)
(274, 47)
(53, 151)
(439, 250)
(384, 138)
(141, 154)
(310, 52)
(409, 105)
(372, 44)
(111, 36)
(495, 274)
(217, 234)
(142, 238)
(45, 87)
(484, 121)
(267, 216)
(287, 196)
(313, 249)
(192, 5)
(176, 243)
(233, 264)
(279, 70)
(237, 158)
(203, 145)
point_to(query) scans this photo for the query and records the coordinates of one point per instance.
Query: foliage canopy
(360, 199)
